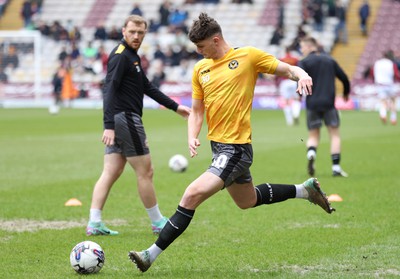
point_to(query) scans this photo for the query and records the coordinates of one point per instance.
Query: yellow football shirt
(226, 87)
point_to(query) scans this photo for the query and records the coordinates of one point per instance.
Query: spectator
(164, 12)
(159, 54)
(171, 57)
(11, 59)
(43, 28)
(27, 13)
(318, 16)
(115, 34)
(63, 54)
(39, 4)
(331, 8)
(100, 32)
(102, 56)
(177, 19)
(58, 32)
(145, 63)
(75, 52)
(153, 26)
(136, 10)
(300, 35)
(159, 74)
(75, 34)
(364, 14)
(3, 5)
(341, 28)
(89, 51)
(3, 75)
(276, 36)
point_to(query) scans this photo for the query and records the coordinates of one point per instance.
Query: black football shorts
(130, 137)
(231, 162)
(315, 118)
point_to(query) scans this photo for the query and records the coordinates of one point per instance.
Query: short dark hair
(203, 28)
(310, 40)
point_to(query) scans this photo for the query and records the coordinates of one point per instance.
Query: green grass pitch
(46, 160)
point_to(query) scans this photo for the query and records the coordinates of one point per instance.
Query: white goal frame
(36, 38)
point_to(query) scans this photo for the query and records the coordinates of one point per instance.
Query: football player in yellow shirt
(223, 88)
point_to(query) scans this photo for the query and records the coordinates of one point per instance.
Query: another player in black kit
(321, 104)
(124, 134)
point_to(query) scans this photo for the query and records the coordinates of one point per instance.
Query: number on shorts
(220, 162)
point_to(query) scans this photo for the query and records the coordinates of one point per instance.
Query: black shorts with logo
(231, 162)
(130, 137)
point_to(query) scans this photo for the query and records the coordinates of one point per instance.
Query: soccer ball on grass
(87, 257)
(178, 163)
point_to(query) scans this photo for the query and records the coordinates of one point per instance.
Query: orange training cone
(73, 202)
(335, 198)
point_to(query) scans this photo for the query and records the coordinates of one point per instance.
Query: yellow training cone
(335, 198)
(73, 202)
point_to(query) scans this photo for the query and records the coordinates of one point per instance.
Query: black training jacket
(323, 69)
(126, 84)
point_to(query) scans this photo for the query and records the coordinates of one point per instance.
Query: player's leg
(113, 167)
(383, 106)
(296, 109)
(285, 88)
(295, 102)
(197, 192)
(393, 110)
(334, 135)
(134, 146)
(314, 123)
(332, 122)
(144, 176)
(248, 196)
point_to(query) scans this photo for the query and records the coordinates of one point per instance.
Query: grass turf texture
(46, 160)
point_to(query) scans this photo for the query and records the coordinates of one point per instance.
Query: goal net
(21, 65)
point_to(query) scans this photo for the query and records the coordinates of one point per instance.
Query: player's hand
(304, 86)
(108, 137)
(193, 144)
(183, 111)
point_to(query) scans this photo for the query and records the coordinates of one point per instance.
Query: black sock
(335, 159)
(175, 227)
(272, 193)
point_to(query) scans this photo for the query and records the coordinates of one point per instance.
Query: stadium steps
(348, 55)
(99, 12)
(11, 20)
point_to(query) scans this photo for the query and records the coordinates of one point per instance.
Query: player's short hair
(309, 40)
(135, 19)
(203, 28)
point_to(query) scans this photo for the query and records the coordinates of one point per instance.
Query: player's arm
(195, 122)
(115, 70)
(295, 73)
(341, 75)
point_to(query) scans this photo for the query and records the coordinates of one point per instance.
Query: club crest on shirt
(137, 66)
(233, 64)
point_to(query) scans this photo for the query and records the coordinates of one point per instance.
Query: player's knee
(245, 204)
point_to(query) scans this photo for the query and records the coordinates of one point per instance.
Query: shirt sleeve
(115, 70)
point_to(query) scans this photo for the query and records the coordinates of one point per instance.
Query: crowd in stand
(171, 61)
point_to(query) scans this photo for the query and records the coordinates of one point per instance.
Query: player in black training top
(321, 104)
(124, 134)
